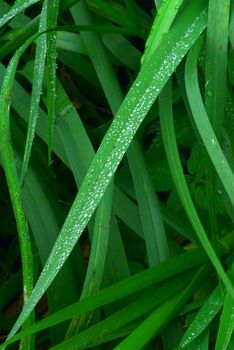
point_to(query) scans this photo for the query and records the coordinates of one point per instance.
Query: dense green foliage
(117, 184)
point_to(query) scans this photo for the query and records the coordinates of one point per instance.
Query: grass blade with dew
(38, 73)
(201, 342)
(169, 139)
(226, 325)
(136, 105)
(52, 18)
(204, 317)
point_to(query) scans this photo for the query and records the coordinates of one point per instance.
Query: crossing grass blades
(117, 184)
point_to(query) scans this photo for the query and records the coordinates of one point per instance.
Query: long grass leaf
(203, 125)
(38, 74)
(216, 62)
(11, 171)
(162, 22)
(226, 325)
(215, 90)
(151, 217)
(166, 121)
(205, 315)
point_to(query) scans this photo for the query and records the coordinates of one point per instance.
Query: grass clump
(117, 185)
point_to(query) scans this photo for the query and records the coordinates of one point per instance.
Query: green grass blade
(122, 49)
(216, 62)
(203, 125)
(215, 90)
(154, 233)
(127, 211)
(163, 20)
(52, 18)
(11, 172)
(204, 317)
(226, 325)
(201, 342)
(114, 12)
(127, 121)
(38, 74)
(166, 122)
(152, 325)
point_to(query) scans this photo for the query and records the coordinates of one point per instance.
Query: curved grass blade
(204, 317)
(11, 172)
(153, 324)
(203, 125)
(169, 139)
(140, 98)
(226, 325)
(17, 8)
(52, 18)
(38, 74)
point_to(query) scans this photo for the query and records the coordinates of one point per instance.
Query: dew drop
(210, 93)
